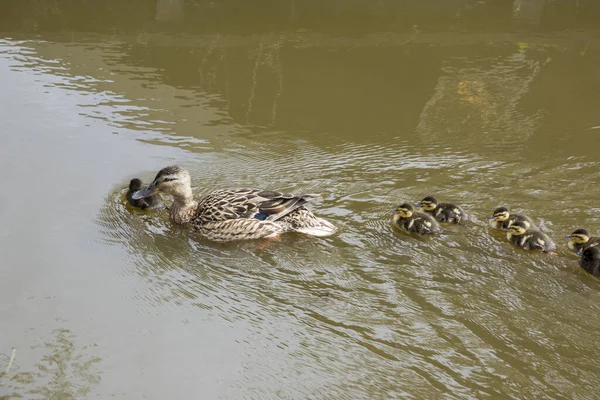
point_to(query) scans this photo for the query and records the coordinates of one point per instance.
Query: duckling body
(237, 213)
(580, 240)
(590, 260)
(406, 218)
(502, 219)
(443, 212)
(529, 239)
(149, 203)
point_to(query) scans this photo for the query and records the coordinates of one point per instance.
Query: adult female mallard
(521, 235)
(580, 240)
(236, 214)
(405, 217)
(443, 212)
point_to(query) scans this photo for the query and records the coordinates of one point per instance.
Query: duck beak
(579, 253)
(142, 194)
(491, 218)
(568, 237)
(418, 204)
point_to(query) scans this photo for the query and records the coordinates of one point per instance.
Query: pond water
(367, 106)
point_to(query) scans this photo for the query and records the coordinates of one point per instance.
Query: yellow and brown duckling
(502, 219)
(580, 240)
(521, 235)
(148, 203)
(590, 260)
(443, 212)
(405, 217)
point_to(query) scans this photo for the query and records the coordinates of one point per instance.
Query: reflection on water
(367, 117)
(64, 372)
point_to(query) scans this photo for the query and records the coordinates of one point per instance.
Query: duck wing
(260, 204)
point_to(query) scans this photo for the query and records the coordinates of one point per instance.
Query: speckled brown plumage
(237, 213)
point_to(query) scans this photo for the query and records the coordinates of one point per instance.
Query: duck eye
(169, 179)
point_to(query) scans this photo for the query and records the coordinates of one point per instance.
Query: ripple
(458, 312)
(461, 314)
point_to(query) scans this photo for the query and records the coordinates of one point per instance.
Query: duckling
(236, 213)
(148, 203)
(443, 212)
(590, 260)
(529, 239)
(502, 219)
(580, 240)
(405, 217)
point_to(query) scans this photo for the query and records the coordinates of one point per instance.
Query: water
(479, 104)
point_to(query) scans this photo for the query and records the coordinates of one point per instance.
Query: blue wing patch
(261, 216)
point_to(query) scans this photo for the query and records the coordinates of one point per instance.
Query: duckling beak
(568, 237)
(418, 204)
(579, 253)
(141, 194)
(491, 218)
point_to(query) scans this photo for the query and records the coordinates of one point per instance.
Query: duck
(443, 212)
(502, 219)
(405, 217)
(230, 214)
(520, 234)
(590, 260)
(148, 203)
(580, 240)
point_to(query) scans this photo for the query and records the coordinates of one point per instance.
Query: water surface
(477, 107)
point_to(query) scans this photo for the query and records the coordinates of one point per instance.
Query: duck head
(429, 203)
(404, 210)
(174, 180)
(500, 214)
(579, 236)
(135, 184)
(518, 228)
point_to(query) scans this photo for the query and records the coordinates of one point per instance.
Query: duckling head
(174, 180)
(579, 236)
(404, 210)
(135, 184)
(518, 228)
(500, 214)
(429, 203)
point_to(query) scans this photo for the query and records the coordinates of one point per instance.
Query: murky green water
(476, 103)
